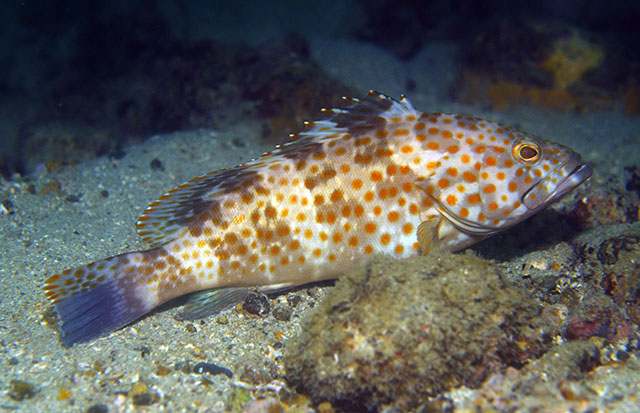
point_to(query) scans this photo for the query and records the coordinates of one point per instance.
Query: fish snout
(546, 191)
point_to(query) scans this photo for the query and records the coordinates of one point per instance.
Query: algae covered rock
(397, 332)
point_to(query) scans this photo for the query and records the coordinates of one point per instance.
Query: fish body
(377, 177)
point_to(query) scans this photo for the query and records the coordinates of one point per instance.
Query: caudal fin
(97, 298)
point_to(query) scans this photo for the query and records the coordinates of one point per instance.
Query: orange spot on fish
(453, 149)
(489, 189)
(473, 198)
(469, 176)
(370, 227)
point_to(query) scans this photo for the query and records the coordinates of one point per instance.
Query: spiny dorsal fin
(360, 115)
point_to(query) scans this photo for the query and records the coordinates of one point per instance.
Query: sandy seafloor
(46, 233)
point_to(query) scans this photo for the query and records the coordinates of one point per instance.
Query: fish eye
(526, 152)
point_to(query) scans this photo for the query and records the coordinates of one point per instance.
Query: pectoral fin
(428, 235)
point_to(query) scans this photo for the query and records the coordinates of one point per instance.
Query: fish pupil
(528, 153)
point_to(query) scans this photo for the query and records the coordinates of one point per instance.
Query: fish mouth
(578, 175)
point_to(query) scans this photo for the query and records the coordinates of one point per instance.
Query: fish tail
(98, 298)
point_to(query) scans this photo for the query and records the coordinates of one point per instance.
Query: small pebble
(183, 366)
(282, 313)
(138, 388)
(191, 328)
(64, 394)
(99, 366)
(104, 193)
(21, 390)
(73, 198)
(622, 355)
(294, 300)
(98, 408)
(144, 351)
(256, 304)
(212, 369)
(143, 399)
(156, 165)
(141, 396)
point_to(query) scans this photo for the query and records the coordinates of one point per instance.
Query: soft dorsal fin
(164, 219)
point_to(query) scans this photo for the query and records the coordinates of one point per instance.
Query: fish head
(507, 181)
(525, 178)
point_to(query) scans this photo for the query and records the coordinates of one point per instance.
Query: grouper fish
(375, 177)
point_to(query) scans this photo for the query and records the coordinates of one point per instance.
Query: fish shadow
(539, 232)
